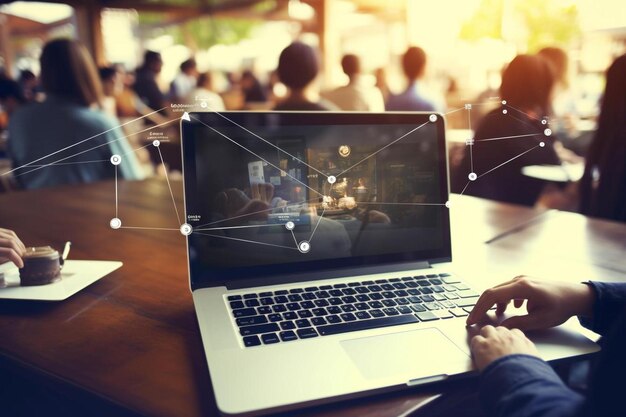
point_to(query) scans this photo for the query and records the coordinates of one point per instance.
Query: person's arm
(11, 248)
(610, 301)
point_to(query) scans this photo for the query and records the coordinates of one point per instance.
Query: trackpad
(413, 354)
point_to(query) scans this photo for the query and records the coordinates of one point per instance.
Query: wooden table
(129, 344)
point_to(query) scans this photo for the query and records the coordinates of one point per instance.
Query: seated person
(505, 136)
(603, 185)
(298, 67)
(414, 66)
(357, 95)
(516, 382)
(68, 126)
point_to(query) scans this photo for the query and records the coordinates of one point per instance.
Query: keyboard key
(387, 287)
(389, 294)
(264, 310)
(354, 284)
(443, 314)
(412, 284)
(265, 294)
(467, 294)
(288, 336)
(450, 280)
(380, 281)
(293, 306)
(270, 338)
(281, 292)
(322, 294)
(407, 278)
(261, 328)
(279, 308)
(335, 301)
(249, 296)
(427, 298)
(244, 312)
(445, 274)
(349, 291)
(390, 311)
(348, 299)
(325, 287)
(401, 293)
(252, 303)
(340, 286)
(432, 276)
(468, 309)
(348, 308)
(367, 283)
(307, 305)
(402, 301)
(290, 315)
(376, 304)
(414, 292)
(287, 325)
(306, 333)
(404, 310)
(274, 317)
(418, 308)
(296, 290)
(389, 303)
(394, 280)
(250, 341)
(432, 306)
(426, 316)
(362, 306)
(334, 310)
(281, 299)
(363, 297)
(376, 313)
(249, 321)
(321, 303)
(375, 288)
(467, 302)
(333, 319)
(461, 286)
(311, 289)
(347, 317)
(318, 321)
(376, 296)
(362, 315)
(418, 277)
(234, 297)
(294, 297)
(305, 314)
(303, 323)
(439, 297)
(452, 296)
(318, 312)
(437, 288)
(236, 304)
(362, 290)
(447, 304)
(335, 293)
(308, 296)
(399, 286)
(424, 283)
(426, 290)
(436, 281)
(458, 312)
(365, 324)
(415, 300)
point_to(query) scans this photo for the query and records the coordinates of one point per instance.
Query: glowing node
(186, 117)
(472, 176)
(448, 204)
(115, 223)
(468, 107)
(156, 143)
(542, 144)
(186, 229)
(332, 179)
(432, 118)
(116, 159)
(203, 104)
(289, 225)
(503, 102)
(547, 132)
(304, 246)
(544, 122)
(504, 111)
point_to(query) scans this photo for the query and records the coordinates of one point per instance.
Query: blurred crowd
(54, 112)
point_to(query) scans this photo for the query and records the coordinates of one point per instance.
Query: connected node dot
(472, 176)
(432, 118)
(542, 144)
(186, 229)
(547, 132)
(331, 179)
(289, 225)
(504, 111)
(468, 107)
(544, 122)
(156, 143)
(116, 159)
(304, 246)
(203, 104)
(503, 102)
(448, 204)
(115, 223)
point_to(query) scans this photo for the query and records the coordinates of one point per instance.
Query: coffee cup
(42, 265)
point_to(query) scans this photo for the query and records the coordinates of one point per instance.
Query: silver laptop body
(320, 257)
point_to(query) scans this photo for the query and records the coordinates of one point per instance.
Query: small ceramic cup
(42, 265)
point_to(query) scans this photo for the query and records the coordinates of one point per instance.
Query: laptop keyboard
(270, 317)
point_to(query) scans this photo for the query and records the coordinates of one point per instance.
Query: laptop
(320, 257)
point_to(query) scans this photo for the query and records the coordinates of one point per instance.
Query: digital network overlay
(303, 246)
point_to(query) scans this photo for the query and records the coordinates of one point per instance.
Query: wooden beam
(89, 28)
(6, 51)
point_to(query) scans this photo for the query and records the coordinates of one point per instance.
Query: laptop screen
(276, 193)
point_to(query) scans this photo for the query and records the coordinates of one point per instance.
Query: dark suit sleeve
(526, 386)
(610, 302)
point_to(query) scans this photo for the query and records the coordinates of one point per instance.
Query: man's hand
(11, 248)
(548, 303)
(496, 342)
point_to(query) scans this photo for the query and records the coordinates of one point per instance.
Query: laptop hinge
(326, 274)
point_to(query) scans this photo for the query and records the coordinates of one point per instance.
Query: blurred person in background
(30, 84)
(381, 83)
(204, 94)
(253, 91)
(146, 85)
(11, 97)
(70, 113)
(357, 95)
(414, 67)
(603, 185)
(298, 66)
(503, 136)
(184, 82)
